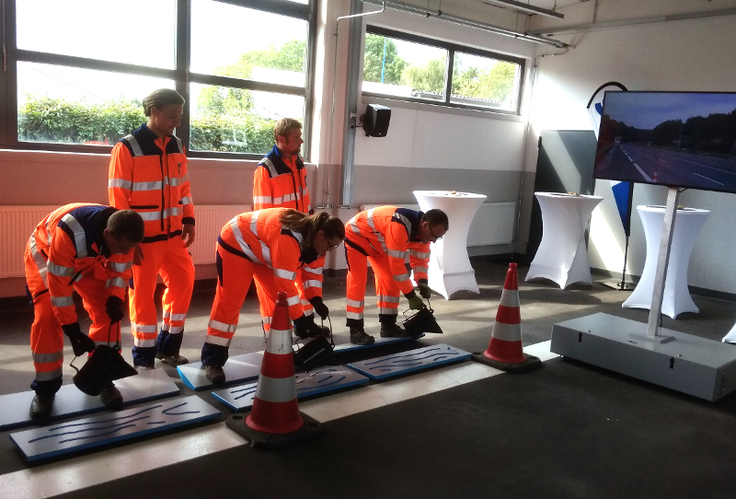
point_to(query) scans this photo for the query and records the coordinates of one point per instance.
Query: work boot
(41, 407)
(215, 374)
(172, 360)
(392, 330)
(358, 336)
(111, 397)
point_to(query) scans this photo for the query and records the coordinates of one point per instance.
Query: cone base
(531, 362)
(310, 428)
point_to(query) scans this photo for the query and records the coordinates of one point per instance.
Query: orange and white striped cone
(274, 419)
(505, 348)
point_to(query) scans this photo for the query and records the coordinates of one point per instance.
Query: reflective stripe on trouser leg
(387, 291)
(356, 283)
(237, 273)
(47, 343)
(142, 308)
(177, 272)
(265, 304)
(94, 299)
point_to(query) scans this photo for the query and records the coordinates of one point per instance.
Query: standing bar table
(562, 256)
(676, 297)
(449, 266)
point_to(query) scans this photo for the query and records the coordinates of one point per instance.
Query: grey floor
(467, 323)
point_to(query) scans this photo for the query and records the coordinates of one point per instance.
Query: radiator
(493, 223)
(210, 220)
(17, 224)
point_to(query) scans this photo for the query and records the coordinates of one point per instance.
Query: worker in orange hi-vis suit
(384, 236)
(148, 173)
(87, 248)
(280, 181)
(270, 246)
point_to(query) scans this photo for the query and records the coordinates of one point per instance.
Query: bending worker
(280, 181)
(148, 173)
(270, 245)
(384, 236)
(87, 248)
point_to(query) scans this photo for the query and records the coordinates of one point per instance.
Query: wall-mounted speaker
(375, 122)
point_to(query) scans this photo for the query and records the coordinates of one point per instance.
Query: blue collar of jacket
(275, 157)
(414, 218)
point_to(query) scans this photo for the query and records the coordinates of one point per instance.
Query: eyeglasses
(434, 237)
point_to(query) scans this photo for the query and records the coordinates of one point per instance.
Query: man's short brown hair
(284, 126)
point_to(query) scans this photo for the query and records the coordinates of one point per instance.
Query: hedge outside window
(83, 67)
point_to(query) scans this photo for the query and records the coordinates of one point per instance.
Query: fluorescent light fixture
(525, 7)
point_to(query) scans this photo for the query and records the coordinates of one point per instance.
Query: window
(403, 66)
(79, 69)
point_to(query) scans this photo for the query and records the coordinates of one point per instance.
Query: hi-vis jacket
(259, 237)
(68, 245)
(391, 231)
(148, 174)
(277, 184)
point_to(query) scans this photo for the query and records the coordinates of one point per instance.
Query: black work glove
(320, 307)
(114, 309)
(415, 302)
(304, 327)
(424, 289)
(81, 343)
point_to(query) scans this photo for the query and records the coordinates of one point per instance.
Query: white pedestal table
(449, 266)
(562, 256)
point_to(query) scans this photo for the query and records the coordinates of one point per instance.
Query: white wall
(688, 55)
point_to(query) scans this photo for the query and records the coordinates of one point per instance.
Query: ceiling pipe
(632, 22)
(412, 9)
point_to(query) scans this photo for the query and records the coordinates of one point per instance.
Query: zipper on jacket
(161, 161)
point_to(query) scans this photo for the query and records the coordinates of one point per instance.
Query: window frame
(180, 75)
(449, 65)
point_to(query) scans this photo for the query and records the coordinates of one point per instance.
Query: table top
(654, 208)
(564, 195)
(450, 194)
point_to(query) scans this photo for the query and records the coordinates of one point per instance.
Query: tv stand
(682, 362)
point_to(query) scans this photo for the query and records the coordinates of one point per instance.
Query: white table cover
(562, 256)
(449, 266)
(676, 297)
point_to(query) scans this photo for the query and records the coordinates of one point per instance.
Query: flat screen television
(676, 139)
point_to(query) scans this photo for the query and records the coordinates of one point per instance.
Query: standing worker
(148, 173)
(271, 246)
(384, 236)
(280, 181)
(86, 248)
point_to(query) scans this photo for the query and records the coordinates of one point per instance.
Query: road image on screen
(677, 139)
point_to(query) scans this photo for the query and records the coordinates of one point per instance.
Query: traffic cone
(274, 419)
(505, 348)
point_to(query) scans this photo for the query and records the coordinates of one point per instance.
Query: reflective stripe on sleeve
(120, 183)
(284, 274)
(60, 270)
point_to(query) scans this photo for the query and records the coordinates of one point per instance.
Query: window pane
(236, 41)
(136, 32)
(403, 69)
(237, 120)
(485, 82)
(79, 106)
